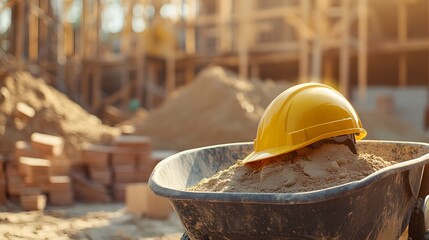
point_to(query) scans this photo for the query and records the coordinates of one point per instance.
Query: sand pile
(307, 170)
(215, 108)
(55, 114)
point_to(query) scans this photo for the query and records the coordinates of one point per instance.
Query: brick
(60, 183)
(119, 192)
(124, 174)
(27, 191)
(102, 176)
(59, 170)
(88, 191)
(47, 144)
(35, 169)
(127, 129)
(3, 197)
(60, 167)
(124, 158)
(33, 202)
(23, 149)
(143, 158)
(148, 166)
(14, 185)
(61, 198)
(139, 199)
(11, 171)
(141, 175)
(14, 188)
(136, 143)
(24, 112)
(96, 155)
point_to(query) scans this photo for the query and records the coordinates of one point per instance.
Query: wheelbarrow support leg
(418, 222)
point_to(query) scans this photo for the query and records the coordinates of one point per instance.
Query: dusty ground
(85, 221)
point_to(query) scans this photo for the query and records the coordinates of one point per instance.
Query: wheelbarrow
(379, 206)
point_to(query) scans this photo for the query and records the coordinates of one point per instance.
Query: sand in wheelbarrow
(305, 170)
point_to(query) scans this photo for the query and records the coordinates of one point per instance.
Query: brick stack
(60, 190)
(97, 160)
(39, 173)
(137, 150)
(126, 161)
(15, 182)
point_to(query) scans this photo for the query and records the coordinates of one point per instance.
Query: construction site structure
(159, 45)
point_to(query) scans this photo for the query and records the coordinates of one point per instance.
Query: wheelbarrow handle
(419, 221)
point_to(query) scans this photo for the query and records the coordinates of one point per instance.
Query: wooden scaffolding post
(402, 36)
(20, 27)
(190, 27)
(33, 23)
(317, 48)
(345, 49)
(303, 40)
(223, 25)
(362, 48)
(243, 55)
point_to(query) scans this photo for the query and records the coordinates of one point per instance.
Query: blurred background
(115, 56)
(190, 73)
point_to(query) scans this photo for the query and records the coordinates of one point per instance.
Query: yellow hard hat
(302, 115)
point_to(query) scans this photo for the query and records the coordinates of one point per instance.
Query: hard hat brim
(272, 152)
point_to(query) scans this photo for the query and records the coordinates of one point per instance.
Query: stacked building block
(127, 160)
(141, 148)
(97, 158)
(60, 191)
(89, 191)
(140, 200)
(24, 112)
(39, 173)
(15, 182)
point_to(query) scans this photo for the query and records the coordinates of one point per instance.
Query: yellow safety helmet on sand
(302, 115)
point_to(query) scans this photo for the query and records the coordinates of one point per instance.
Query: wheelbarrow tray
(377, 207)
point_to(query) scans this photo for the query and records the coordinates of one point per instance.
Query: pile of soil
(215, 108)
(307, 170)
(55, 114)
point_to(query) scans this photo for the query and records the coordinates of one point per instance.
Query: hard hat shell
(302, 115)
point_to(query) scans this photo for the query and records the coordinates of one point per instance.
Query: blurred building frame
(319, 39)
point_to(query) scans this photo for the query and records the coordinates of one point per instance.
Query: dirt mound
(55, 114)
(219, 108)
(216, 108)
(312, 169)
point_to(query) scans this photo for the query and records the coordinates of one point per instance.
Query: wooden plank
(303, 42)
(223, 25)
(243, 55)
(20, 31)
(316, 60)
(345, 49)
(33, 23)
(402, 37)
(362, 48)
(170, 72)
